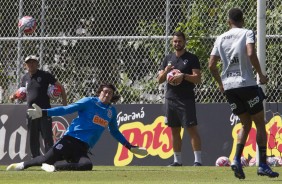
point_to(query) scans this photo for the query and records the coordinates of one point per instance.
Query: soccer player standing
(236, 49)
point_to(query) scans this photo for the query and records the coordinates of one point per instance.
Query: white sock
(20, 166)
(198, 156)
(177, 157)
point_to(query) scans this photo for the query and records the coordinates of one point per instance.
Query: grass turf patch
(136, 175)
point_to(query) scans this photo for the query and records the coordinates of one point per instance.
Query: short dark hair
(115, 97)
(179, 34)
(235, 14)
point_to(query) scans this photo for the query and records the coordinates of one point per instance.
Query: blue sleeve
(74, 107)
(113, 128)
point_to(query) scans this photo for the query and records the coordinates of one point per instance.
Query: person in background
(236, 49)
(94, 115)
(36, 82)
(180, 99)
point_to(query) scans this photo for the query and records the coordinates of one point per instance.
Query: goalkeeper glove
(34, 113)
(137, 150)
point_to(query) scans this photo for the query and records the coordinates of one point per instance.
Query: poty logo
(274, 141)
(156, 138)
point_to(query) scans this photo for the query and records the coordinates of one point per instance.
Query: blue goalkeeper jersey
(93, 118)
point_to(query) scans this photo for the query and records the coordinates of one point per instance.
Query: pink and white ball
(54, 91)
(273, 161)
(279, 161)
(170, 76)
(27, 24)
(253, 162)
(222, 161)
(244, 162)
(21, 93)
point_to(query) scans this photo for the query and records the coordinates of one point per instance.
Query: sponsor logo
(274, 141)
(233, 74)
(233, 106)
(100, 121)
(253, 101)
(39, 79)
(59, 127)
(16, 140)
(110, 113)
(133, 116)
(59, 146)
(228, 37)
(234, 60)
(155, 137)
(185, 61)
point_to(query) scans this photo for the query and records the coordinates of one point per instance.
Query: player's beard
(179, 48)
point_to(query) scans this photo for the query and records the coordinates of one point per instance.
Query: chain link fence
(85, 42)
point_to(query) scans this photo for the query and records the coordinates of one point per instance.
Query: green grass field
(135, 175)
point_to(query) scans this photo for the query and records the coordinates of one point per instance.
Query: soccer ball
(244, 162)
(253, 161)
(21, 93)
(171, 75)
(27, 24)
(222, 161)
(279, 161)
(54, 91)
(272, 161)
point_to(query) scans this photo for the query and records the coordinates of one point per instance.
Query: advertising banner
(144, 125)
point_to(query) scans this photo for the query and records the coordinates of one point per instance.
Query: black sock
(262, 154)
(239, 151)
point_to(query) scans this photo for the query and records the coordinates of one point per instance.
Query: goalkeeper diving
(94, 115)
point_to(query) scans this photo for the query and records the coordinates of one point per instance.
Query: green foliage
(140, 84)
(139, 60)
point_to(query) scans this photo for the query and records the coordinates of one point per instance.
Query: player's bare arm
(195, 77)
(214, 71)
(255, 62)
(163, 73)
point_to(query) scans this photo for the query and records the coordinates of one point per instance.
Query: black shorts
(70, 149)
(181, 113)
(246, 99)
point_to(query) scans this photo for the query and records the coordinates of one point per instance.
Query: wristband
(183, 76)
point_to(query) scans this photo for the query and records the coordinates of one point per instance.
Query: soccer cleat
(48, 168)
(16, 167)
(174, 164)
(238, 171)
(197, 164)
(265, 170)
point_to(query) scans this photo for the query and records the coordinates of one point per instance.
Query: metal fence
(85, 42)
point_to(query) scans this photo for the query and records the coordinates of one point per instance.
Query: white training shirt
(237, 68)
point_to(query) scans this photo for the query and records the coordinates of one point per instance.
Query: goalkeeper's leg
(50, 158)
(84, 164)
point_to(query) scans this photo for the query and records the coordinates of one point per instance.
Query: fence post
(19, 47)
(261, 48)
(167, 25)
